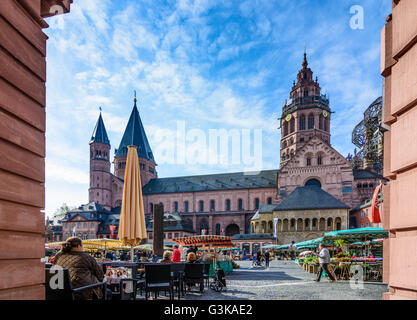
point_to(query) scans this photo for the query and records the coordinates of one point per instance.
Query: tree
(61, 211)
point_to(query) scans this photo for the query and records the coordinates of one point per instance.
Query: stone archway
(232, 229)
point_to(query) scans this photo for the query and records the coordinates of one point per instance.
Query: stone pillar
(195, 223)
(242, 224)
(211, 229)
(158, 229)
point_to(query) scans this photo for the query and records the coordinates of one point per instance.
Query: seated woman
(83, 268)
(166, 257)
(192, 258)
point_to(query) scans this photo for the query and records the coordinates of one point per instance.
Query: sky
(199, 66)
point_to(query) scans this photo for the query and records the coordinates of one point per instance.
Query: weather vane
(99, 108)
(135, 96)
(305, 47)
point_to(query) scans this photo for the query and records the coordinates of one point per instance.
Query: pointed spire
(135, 135)
(305, 62)
(100, 133)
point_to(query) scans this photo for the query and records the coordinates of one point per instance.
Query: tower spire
(100, 133)
(305, 62)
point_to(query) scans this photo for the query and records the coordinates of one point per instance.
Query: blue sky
(213, 64)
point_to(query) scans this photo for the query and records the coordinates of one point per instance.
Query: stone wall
(22, 146)
(399, 67)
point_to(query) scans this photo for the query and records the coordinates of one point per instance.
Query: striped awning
(204, 239)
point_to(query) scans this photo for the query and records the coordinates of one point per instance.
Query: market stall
(355, 260)
(211, 244)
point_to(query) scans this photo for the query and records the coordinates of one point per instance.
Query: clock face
(288, 117)
(325, 113)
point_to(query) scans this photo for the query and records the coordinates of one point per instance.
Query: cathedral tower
(100, 176)
(135, 135)
(304, 115)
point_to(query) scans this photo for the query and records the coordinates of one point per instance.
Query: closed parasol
(132, 228)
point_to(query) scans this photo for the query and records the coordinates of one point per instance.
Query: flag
(375, 215)
(275, 227)
(112, 229)
(73, 231)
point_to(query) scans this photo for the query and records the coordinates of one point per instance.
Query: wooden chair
(66, 291)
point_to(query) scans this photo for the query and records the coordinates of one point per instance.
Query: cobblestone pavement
(285, 280)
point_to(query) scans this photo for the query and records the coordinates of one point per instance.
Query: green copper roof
(99, 133)
(310, 198)
(135, 135)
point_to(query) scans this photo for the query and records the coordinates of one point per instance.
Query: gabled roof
(100, 133)
(366, 174)
(309, 198)
(310, 142)
(135, 135)
(212, 182)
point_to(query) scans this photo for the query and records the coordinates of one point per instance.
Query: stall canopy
(212, 240)
(354, 235)
(270, 246)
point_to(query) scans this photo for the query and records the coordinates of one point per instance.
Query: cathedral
(309, 194)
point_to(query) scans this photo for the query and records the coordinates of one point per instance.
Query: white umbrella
(305, 253)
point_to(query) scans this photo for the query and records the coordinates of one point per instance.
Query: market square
(196, 150)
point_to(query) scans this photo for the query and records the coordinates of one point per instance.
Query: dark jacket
(83, 270)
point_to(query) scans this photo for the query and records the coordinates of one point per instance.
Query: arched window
(321, 122)
(302, 123)
(218, 229)
(212, 205)
(227, 204)
(269, 200)
(176, 206)
(256, 203)
(308, 161)
(311, 122)
(240, 204)
(186, 208)
(319, 160)
(326, 124)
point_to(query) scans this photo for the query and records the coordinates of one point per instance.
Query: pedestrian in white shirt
(324, 260)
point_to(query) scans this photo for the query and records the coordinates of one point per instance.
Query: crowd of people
(84, 269)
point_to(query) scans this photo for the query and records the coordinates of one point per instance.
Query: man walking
(267, 256)
(324, 260)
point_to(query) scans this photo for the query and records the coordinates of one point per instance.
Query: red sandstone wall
(399, 67)
(22, 146)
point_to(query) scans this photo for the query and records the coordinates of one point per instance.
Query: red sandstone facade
(22, 145)
(399, 67)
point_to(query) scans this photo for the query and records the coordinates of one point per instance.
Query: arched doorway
(313, 183)
(204, 226)
(232, 229)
